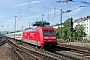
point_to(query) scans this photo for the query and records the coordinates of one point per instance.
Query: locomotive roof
(40, 23)
(35, 27)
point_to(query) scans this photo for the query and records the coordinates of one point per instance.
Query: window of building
(84, 30)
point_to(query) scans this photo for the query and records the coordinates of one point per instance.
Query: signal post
(71, 29)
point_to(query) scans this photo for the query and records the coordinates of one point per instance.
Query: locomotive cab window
(51, 31)
(45, 31)
(48, 31)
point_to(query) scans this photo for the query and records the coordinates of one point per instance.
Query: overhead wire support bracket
(65, 1)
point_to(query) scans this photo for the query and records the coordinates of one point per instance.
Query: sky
(29, 11)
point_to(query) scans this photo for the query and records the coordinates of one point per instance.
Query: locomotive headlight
(49, 37)
(45, 37)
(53, 37)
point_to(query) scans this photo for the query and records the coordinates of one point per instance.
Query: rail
(15, 47)
(2, 43)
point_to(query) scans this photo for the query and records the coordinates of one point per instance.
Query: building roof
(56, 24)
(81, 19)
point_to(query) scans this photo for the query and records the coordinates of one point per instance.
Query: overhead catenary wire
(45, 7)
(30, 7)
(53, 4)
(84, 2)
(65, 12)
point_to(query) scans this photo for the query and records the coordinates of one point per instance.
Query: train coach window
(19, 34)
(15, 34)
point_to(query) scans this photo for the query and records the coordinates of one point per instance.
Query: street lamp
(15, 22)
(61, 23)
(15, 25)
(42, 18)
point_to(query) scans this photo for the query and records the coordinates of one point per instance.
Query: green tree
(58, 33)
(79, 32)
(66, 29)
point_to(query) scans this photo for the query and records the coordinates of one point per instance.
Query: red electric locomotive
(40, 36)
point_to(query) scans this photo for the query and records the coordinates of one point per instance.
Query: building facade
(86, 23)
(56, 26)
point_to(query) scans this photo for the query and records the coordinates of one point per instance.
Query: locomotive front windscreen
(48, 31)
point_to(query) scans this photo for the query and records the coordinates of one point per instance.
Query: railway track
(45, 55)
(54, 54)
(40, 55)
(83, 50)
(22, 53)
(73, 53)
(75, 47)
(67, 54)
(2, 40)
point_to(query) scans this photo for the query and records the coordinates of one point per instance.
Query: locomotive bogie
(32, 42)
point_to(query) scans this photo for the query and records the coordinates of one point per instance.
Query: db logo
(32, 34)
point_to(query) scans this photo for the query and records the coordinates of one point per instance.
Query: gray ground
(6, 53)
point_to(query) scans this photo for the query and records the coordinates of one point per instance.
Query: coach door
(38, 38)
